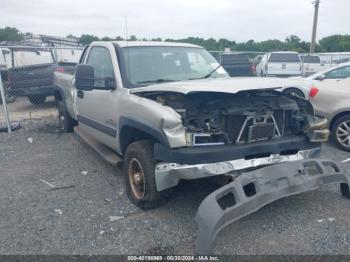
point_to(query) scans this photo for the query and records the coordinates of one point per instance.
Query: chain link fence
(27, 75)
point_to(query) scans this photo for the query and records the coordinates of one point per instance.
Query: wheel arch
(131, 130)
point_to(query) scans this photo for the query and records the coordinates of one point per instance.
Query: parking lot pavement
(37, 220)
(22, 109)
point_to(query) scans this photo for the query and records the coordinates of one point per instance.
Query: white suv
(280, 64)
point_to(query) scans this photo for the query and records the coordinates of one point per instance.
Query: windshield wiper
(207, 75)
(156, 81)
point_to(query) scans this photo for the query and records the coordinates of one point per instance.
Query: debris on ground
(346, 160)
(115, 218)
(58, 211)
(85, 173)
(331, 219)
(62, 187)
(47, 183)
(321, 220)
(102, 232)
(108, 200)
(120, 193)
(30, 140)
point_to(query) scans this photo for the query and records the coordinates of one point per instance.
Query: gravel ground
(36, 220)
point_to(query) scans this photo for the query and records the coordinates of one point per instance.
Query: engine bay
(218, 118)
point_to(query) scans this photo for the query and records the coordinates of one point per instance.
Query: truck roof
(152, 43)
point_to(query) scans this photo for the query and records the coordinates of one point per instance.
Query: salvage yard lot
(31, 222)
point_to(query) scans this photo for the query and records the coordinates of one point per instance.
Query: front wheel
(37, 99)
(341, 132)
(139, 173)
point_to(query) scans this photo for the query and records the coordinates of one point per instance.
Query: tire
(66, 122)
(37, 99)
(294, 91)
(138, 171)
(345, 190)
(341, 132)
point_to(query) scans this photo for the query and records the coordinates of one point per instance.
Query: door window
(100, 59)
(339, 73)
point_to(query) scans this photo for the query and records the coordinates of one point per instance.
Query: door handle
(80, 94)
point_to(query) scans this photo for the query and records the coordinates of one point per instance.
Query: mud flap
(253, 190)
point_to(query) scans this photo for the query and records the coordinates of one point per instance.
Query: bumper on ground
(255, 189)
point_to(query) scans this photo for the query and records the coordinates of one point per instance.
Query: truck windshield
(284, 57)
(143, 65)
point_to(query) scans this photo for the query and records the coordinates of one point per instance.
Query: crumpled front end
(253, 190)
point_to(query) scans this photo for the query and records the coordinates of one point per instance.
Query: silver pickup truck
(169, 111)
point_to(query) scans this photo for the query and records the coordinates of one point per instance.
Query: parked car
(312, 64)
(169, 114)
(280, 64)
(333, 101)
(236, 64)
(31, 73)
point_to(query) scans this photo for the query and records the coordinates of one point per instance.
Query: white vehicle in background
(333, 101)
(280, 64)
(312, 64)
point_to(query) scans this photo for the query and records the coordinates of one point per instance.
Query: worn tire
(345, 190)
(66, 122)
(139, 155)
(334, 129)
(37, 99)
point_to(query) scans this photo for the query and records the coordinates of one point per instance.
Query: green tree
(335, 43)
(10, 34)
(87, 39)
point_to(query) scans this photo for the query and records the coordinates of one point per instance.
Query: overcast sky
(238, 20)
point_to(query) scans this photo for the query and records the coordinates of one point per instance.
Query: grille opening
(249, 189)
(226, 201)
(257, 156)
(289, 152)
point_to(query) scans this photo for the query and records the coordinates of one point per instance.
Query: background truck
(280, 64)
(169, 112)
(235, 64)
(30, 73)
(312, 64)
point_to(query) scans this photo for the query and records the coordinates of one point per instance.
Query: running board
(107, 154)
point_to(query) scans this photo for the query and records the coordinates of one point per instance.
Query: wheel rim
(136, 178)
(343, 133)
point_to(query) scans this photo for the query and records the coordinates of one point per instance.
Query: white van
(280, 64)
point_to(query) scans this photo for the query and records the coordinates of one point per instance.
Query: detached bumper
(255, 189)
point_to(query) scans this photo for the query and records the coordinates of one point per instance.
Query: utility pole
(314, 27)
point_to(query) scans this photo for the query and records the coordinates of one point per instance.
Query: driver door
(97, 108)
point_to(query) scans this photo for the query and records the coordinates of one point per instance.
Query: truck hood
(220, 85)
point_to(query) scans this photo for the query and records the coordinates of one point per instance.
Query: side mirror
(85, 77)
(85, 80)
(321, 77)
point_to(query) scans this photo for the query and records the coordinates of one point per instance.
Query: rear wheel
(37, 99)
(66, 122)
(341, 132)
(139, 173)
(345, 190)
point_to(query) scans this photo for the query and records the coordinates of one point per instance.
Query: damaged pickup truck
(169, 111)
